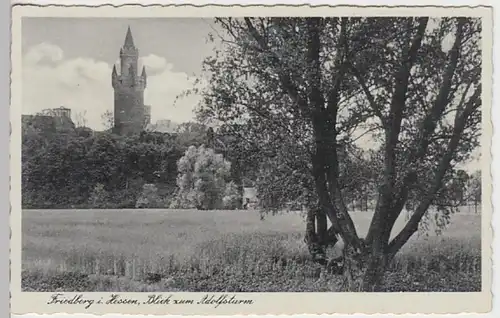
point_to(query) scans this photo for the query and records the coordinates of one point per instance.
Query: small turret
(143, 75)
(114, 76)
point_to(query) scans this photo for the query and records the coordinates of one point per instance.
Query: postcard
(224, 160)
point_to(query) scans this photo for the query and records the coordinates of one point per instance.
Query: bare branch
(399, 96)
(369, 96)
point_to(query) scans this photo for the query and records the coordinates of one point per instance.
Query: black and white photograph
(253, 154)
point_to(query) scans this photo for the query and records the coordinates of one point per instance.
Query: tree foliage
(108, 120)
(474, 192)
(191, 134)
(232, 196)
(99, 196)
(149, 197)
(63, 170)
(201, 180)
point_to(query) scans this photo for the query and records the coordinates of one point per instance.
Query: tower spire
(129, 40)
(129, 110)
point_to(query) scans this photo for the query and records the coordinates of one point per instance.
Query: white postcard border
(264, 303)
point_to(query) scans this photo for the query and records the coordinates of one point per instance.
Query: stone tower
(129, 111)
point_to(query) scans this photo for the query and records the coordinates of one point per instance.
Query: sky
(68, 62)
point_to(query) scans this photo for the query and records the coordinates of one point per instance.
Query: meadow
(215, 251)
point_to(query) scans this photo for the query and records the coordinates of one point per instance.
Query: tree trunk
(315, 237)
(363, 272)
(310, 226)
(239, 182)
(321, 227)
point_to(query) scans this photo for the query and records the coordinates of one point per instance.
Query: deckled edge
(306, 5)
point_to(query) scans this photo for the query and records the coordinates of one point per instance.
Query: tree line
(194, 168)
(85, 168)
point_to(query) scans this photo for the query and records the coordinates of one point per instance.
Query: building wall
(163, 126)
(129, 60)
(129, 109)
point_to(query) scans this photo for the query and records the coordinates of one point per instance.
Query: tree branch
(369, 96)
(379, 231)
(325, 161)
(340, 66)
(430, 121)
(285, 79)
(412, 225)
(398, 101)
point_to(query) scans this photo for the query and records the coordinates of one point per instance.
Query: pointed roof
(129, 40)
(114, 69)
(143, 71)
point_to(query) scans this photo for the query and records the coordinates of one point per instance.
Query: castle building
(49, 121)
(57, 112)
(131, 116)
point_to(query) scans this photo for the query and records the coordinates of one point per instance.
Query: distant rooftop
(163, 125)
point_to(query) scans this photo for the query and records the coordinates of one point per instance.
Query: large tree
(300, 91)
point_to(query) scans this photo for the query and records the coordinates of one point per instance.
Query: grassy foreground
(215, 251)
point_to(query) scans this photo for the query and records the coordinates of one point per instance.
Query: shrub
(201, 179)
(99, 196)
(149, 197)
(232, 196)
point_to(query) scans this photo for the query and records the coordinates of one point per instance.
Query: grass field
(117, 250)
